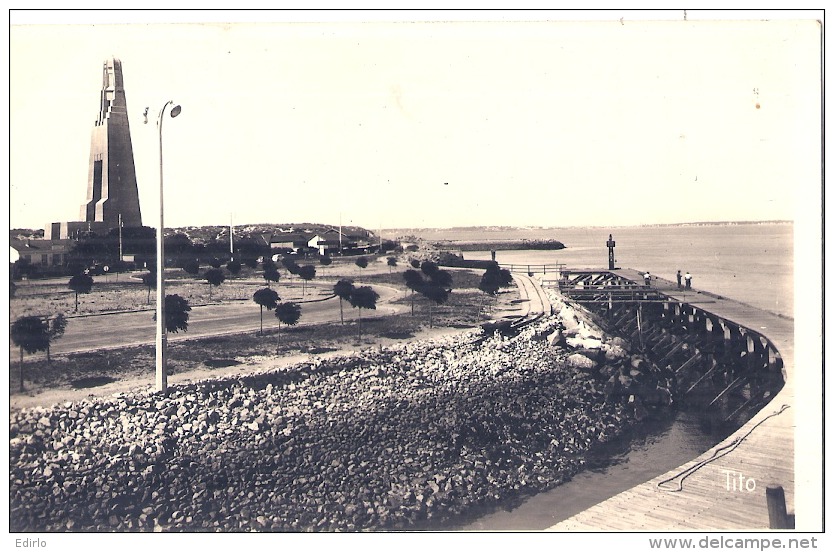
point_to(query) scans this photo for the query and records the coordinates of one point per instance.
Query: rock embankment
(629, 377)
(399, 438)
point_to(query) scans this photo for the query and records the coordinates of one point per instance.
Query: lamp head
(175, 110)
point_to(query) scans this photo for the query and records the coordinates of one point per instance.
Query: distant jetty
(499, 245)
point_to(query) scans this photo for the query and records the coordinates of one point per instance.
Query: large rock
(582, 362)
(587, 331)
(614, 352)
(569, 320)
(584, 343)
(620, 342)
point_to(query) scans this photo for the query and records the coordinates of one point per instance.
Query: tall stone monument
(112, 193)
(111, 184)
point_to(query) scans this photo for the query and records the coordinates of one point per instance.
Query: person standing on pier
(688, 278)
(679, 279)
(647, 278)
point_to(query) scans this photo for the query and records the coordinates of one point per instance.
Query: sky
(397, 122)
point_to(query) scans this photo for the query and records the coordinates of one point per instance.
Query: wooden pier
(726, 487)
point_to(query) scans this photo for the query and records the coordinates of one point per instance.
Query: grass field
(465, 308)
(126, 292)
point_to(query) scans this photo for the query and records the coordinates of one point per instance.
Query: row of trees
(92, 249)
(215, 276)
(288, 313)
(431, 282)
(436, 284)
(82, 282)
(34, 333)
(362, 297)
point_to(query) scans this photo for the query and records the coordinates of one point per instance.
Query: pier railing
(585, 286)
(534, 268)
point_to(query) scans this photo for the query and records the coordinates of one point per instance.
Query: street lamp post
(161, 330)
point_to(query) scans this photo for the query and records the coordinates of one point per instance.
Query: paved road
(90, 333)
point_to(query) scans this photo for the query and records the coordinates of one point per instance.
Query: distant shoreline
(499, 245)
(402, 231)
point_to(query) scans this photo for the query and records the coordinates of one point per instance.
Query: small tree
(343, 290)
(505, 277)
(290, 265)
(289, 314)
(442, 278)
(176, 313)
(415, 263)
(56, 327)
(306, 273)
(31, 334)
(438, 288)
(192, 267)
(363, 298)
(233, 267)
(495, 278)
(325, 260)
(362, 262)
(428, 268)
(431, 282)
(414, 282)
(271, 273)
(268, 298)
(214, 277)
(149, 280)
(392, 262)
(489, 284)
(74, 267)
(80, 283)
(436, 294)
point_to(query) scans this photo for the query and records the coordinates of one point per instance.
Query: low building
(349, 244)
(289, 243)
(42, 253)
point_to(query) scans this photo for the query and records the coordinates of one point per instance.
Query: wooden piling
(777, 510)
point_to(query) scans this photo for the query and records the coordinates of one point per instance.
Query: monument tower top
(112, 190)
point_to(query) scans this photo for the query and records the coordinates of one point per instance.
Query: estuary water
(655, 447)
(751, 263)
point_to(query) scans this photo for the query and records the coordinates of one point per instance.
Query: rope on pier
(716, 454)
